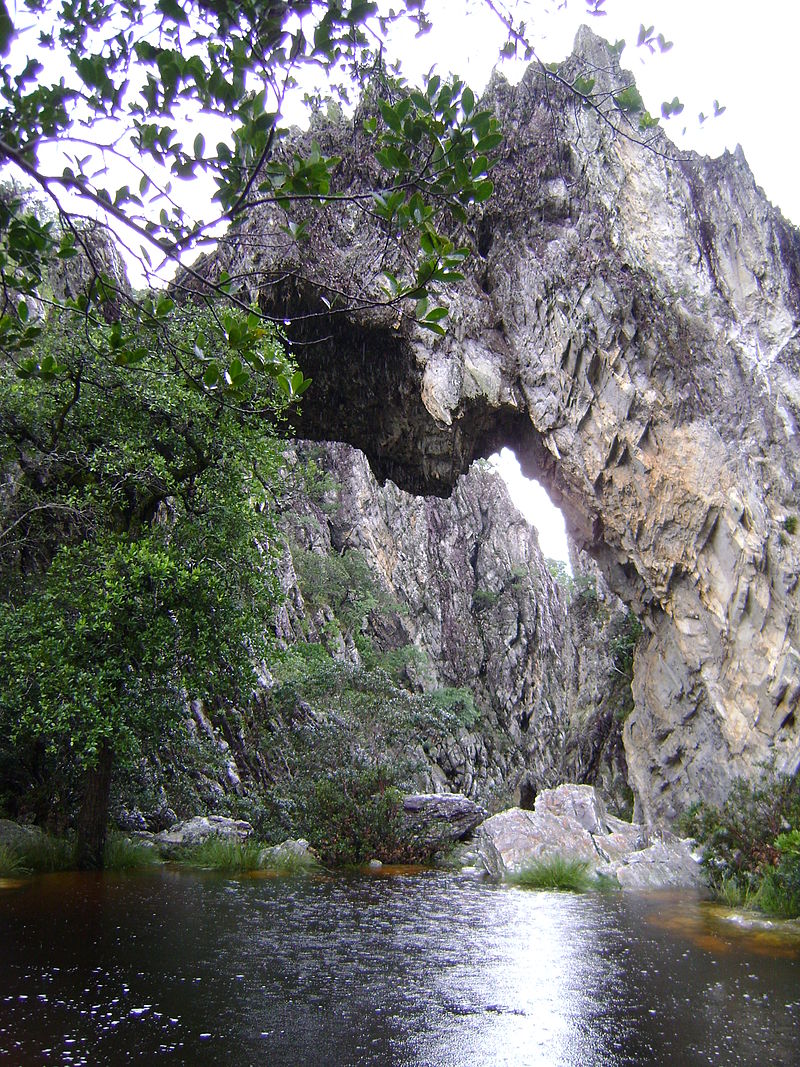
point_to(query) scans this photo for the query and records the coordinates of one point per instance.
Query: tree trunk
(93, 816)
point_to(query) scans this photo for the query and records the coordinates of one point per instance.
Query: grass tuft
(123, 854)
(290, 864)
(556, 872)
(221, 854)
(10, 862)
(44, 854)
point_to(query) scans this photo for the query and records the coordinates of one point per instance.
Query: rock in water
(570, 823)
(294, 854)
(437, 820)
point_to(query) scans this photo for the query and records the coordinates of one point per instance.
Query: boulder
(508, 842)
(14, 834)
(570, 822)
(199, 829)
(438, 820)
(291, 855)
(578, 802)
(666, 864)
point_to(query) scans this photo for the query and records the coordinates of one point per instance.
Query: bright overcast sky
(742, 54)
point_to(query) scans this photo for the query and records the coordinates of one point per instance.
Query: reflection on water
(414, 970)
(719, 929)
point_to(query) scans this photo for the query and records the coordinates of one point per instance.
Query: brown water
(421, 969)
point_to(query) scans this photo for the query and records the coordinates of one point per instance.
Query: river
(413, 969)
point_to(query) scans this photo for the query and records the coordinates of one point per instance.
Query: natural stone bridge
(629, 327)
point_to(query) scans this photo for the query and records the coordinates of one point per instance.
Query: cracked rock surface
(629, 325)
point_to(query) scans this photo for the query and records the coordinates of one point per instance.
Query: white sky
(735, 51)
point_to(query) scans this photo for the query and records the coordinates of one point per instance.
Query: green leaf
(211, 375)
(489, 142)
(629, 99)
(482, 191)
(434, 327)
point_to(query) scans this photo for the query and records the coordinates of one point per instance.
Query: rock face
(570, 822)
(441, 818)
(629, 327)
(479, 609)
(519, 679)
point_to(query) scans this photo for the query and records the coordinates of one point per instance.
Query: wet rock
(14, 834)
(199, 829)
(514, 838)
(440, 819)
(669, 863)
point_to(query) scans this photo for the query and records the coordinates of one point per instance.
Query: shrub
(752, 844)
(354, 816)
(483, 599)
(780, 889)
(556, 872)
(625, 633)
(457, 703)
(562, 574)
(790, 524)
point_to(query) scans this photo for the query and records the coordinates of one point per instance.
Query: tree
(136, 548)
(140, 72)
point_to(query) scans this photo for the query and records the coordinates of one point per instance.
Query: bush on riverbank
(355, 815)
(752, 844)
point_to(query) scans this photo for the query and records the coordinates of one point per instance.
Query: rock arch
(630, 328)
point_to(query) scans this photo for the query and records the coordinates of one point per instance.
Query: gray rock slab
(661, 866)
(579, 802)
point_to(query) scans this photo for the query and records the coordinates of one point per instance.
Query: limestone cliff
(630, 327)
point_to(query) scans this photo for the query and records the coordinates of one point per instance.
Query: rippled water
(423, 969)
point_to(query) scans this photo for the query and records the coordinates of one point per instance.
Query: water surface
(417, 970)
